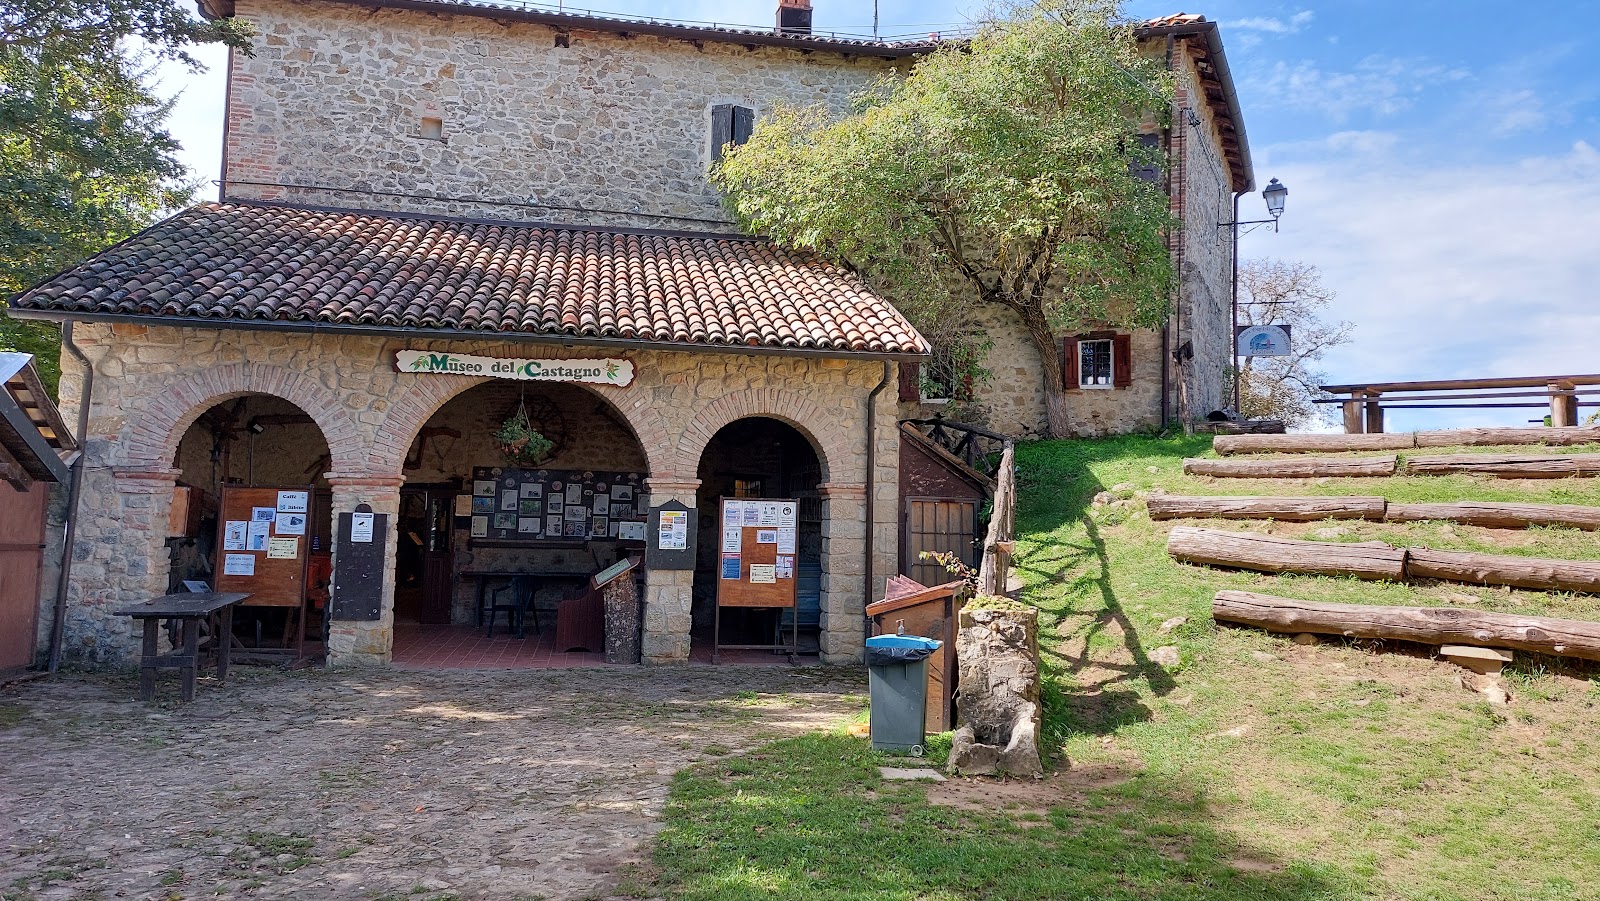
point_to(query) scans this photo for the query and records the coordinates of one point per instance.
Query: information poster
(526, 507)
(757, 562)
(239, 564)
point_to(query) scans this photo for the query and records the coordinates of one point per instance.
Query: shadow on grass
(811, 818)
(1084, 692)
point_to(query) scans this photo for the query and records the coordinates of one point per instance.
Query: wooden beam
(1424, 625)
(1296, 444)
(1293, 509)
(1292, 467)
(1491, 569)
(1267, 553)
(1535, 381)
(1553, 437)
(1492, 515)
(1507, 466)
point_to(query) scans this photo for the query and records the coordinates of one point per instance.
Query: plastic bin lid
(904, 641)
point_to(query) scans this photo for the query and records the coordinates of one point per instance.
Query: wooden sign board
(756, 553)
(263, 543)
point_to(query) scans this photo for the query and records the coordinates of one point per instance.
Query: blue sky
(1442, 159)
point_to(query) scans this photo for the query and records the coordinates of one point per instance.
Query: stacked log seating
(1376, 560)
(1564, 436)
(1294, 509)
(1493, 515)
(1507, 466)
(1266, 553)
(1425, 625)
(1488, 514)
(1292, 467)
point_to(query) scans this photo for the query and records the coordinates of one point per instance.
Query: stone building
(411, 188)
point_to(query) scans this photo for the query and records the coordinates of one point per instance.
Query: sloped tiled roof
(230, 263)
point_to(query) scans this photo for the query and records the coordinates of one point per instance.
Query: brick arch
(832, 443)
(411, 410)
(152, 438)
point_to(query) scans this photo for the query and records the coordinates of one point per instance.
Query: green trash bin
(897, 678)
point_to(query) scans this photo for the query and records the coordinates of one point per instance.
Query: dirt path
(394, 783)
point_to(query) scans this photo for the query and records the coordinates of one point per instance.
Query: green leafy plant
(999, 175)
(520, 442)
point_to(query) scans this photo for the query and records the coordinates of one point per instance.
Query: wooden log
(1292, 467)
(1294, 509)
(1424, 625)
(1265, 553)
(1492, 569)
(1497, 515)
(1300, 444)
(1507, 466)
(1562, 437)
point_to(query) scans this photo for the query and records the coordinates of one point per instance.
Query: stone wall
(1205, 262)
(607, 130)
(153, 382)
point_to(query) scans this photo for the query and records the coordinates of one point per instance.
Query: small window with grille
(1094, 363)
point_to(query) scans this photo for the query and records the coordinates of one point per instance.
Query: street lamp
(1274, 194)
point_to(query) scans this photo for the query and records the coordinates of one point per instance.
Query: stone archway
(836, 444)
(151, 440)
(410, 411)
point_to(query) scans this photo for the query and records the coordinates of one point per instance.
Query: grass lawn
(1257, 768)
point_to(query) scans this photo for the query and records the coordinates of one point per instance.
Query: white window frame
(1111, 363)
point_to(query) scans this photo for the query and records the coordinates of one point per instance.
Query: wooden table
(188, 610)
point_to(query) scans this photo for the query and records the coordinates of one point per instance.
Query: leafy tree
(1274, 292)
(999, 172)
(84, 159)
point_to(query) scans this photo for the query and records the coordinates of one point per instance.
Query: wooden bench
(188, 610)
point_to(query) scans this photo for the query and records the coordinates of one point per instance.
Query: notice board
(263, 544)
(361, 546)
(528, 507)
(757, 552)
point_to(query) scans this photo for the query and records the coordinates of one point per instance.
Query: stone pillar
(120, 558)
(844, 561)
(365, 642)
(669, 594)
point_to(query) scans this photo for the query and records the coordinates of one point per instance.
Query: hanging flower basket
(521, 443)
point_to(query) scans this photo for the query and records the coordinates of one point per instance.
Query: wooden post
(1563, 404)
(147, 661)
(1374, 416)
(1352, 415)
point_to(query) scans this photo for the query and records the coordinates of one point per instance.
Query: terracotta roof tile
(238, 262)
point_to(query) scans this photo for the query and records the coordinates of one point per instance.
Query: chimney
(794, 16)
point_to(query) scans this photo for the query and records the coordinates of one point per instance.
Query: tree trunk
(1296, 509)
(1424, 625)
(1264, 553)
(1057, 422)
(1291, 467)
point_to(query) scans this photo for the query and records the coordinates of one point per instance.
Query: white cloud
(1382, 85)
(1273, 25)
(1514, 112)
(1450, 272)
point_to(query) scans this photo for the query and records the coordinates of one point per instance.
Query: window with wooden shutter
(1069, 362)
(730, 124)
(1122, 361)
(1095, 366)
(910, 382)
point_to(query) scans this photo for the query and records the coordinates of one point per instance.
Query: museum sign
(609, 371)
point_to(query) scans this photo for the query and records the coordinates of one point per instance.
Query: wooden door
(21, 550)
(438, 560)
(938, 525)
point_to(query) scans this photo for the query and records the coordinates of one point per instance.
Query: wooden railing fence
(979, 448)
(1364, 404)
(995, 569)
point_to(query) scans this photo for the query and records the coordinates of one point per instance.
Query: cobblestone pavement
(379, 784)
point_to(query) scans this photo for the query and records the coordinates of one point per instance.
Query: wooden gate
(21, 552)
(938, 525)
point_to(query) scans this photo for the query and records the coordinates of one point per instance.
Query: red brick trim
(152, 437)
(412, 407)
(786, 406)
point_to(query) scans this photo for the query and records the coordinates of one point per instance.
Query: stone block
(997, 654)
